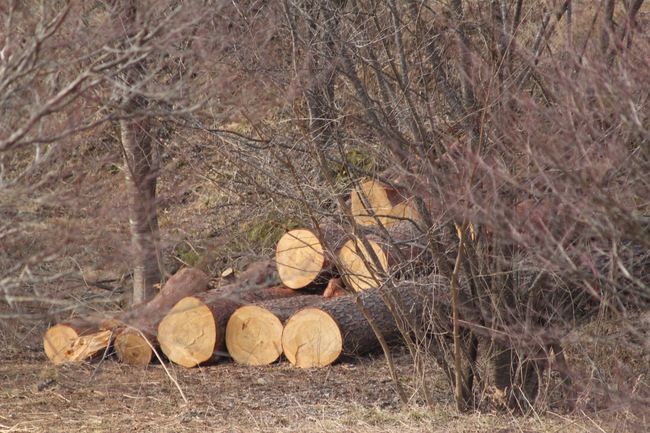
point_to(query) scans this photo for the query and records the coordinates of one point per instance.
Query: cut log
(254, 332)
(194, 330)
(319, 335)
(78, 339)
(304, 257)
(373, 202)
(335, 287)
(362, 272)
(136, 343)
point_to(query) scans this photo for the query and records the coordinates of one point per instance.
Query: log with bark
(135, 344)
(375, 202)
(402, 245)
(305, 256)
(79, 339)
(254, 332)
(193, 332)
(317, 336)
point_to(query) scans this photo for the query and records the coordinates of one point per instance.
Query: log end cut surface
(187, 334)
(254, 336)
(57, 342)
(359, 267)
(300, 258)
(312, 338)
(133, 349)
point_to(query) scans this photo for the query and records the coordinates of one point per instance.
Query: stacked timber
(194, 331)
(194, 320)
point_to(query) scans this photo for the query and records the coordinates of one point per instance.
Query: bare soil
(356, 396)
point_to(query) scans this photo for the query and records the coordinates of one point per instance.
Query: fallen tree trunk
(135, 344)
(81, 339)
(254, 332)
(319, 335)
(403, 246)
(193, 332)
(78, 339)
(305, 257)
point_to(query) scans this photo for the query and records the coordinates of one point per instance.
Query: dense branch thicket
(521, 131)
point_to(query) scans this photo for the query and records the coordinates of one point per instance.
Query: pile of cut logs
(304, 303)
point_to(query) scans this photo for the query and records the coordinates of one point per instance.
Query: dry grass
(351, 397)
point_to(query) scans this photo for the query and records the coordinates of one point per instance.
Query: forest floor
(358, 396)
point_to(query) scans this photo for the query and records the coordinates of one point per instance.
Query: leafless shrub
(523, 131)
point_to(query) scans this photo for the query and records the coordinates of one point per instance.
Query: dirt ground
(356, 396)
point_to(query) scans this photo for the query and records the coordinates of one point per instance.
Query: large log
(254, 332)
(78, 339)
(305, 257)
(193, 332)
(374, 202)
(404, 243)
(135, 344)
(319, 335)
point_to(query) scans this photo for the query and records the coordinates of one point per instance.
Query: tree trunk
(317, 336)
(194, 330)
(136, 343)
(254, 332)
(305, 257)
(141, 161)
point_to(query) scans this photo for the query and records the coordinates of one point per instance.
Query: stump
(319, 335)
(254, 332)
(136, 343)
(304, 257)
(194, 330)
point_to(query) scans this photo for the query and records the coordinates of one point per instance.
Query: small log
(319, 335)
(375, 202)
(194, 330)
(335, 288)
(304, 257)
(78, 339)
(362, 272)
(254, 332)
(136, 343)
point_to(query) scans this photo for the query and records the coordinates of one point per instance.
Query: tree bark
(254, 332)
(136, 343)
(141, 161)
(194, 331)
